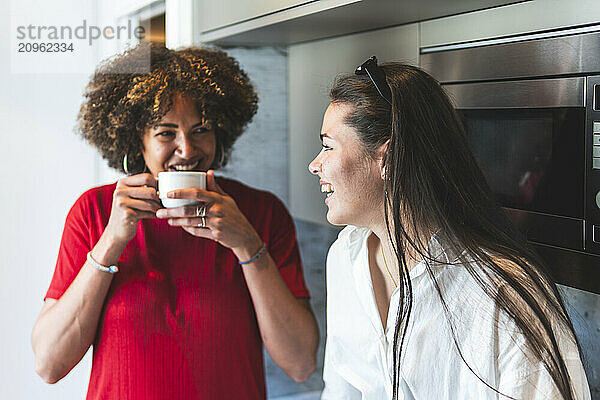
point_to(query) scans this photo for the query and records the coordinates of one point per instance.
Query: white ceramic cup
(173, 180)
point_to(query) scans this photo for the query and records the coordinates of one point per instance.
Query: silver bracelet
(113, 269)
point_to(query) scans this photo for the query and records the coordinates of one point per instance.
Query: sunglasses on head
(377, 76)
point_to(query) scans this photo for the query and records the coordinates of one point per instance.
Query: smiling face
(351, 179)
(181, 141)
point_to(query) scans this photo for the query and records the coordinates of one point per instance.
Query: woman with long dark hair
(431, 293)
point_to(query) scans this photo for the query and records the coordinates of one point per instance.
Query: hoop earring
(221, 155)
(126, 166)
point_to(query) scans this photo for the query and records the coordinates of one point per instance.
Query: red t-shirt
(178, 321)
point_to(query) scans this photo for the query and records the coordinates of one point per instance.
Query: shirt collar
(441, 247)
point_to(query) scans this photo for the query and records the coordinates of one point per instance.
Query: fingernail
(161, 213)
(170, 221)
(171, 194)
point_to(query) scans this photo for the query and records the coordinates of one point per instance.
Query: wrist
(260, 252)
(247, 251)
(111, 269)
(108, 250)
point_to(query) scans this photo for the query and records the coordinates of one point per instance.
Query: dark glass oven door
(529, 140)
(533, 159)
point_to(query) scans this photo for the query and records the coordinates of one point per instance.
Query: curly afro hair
(119, 105)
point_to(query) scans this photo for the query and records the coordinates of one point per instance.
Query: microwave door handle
(539, 93)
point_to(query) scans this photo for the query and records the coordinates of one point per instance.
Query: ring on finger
(201, 210)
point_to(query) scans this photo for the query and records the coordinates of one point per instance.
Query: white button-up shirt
(359, 350)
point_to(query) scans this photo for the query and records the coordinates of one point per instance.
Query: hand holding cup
(222, 221)
(177, 180)
(134, 199)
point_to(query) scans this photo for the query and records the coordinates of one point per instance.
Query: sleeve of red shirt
(74, 246)
(283, 247)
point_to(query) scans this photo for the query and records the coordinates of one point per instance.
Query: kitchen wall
(260, 156)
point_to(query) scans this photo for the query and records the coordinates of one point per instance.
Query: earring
(125, 166)
(221, 155)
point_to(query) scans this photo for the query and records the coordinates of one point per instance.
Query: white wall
(44, 167)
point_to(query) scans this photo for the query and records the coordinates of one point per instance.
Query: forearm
(66, 329)
(288, 328)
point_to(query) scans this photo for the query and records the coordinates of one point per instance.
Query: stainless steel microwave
(531, 109)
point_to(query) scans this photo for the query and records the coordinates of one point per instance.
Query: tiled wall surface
(314, 241)
(260, 159)
(260, 156)
(584, 310)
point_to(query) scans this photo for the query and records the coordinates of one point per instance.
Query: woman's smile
(348, 177)
(327, 188)
(184, 166)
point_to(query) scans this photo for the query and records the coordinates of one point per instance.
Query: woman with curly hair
(176, 302)
(431, 293)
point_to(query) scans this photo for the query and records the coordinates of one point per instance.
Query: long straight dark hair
(432, 181)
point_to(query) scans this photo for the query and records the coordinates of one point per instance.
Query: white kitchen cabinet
(285, 22)
(312, 67)
(223, 13)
